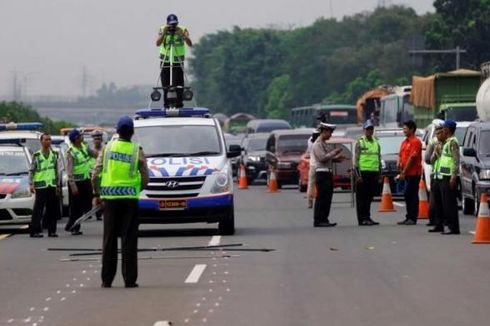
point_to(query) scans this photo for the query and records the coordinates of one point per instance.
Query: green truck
(449, 95)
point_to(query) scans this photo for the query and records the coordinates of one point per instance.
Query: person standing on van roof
(367, 170)
(325, 154)
(172, 39)
(410, 167)
(119, 176)
(79, 187)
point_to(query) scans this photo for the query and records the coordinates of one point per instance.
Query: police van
(190, 175)
(16, 201)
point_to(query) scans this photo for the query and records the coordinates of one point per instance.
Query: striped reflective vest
(45, 174)
(173, 43)
(81, 162)
(120, 178)
(446, 164)
(369, 154)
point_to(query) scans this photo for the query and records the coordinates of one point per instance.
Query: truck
(448, 95)
(369, 104)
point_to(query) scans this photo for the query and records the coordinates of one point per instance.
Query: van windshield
(13, 163)
(257, 144)
(178, 140)
(292, 143)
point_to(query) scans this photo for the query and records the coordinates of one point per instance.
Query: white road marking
(196, 273)
(162, 323)
(215, 240)
(398, 204)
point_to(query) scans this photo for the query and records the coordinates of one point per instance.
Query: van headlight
(383, 165)
(21, 193)
(254, 158)
(221, 183)
(484, 174)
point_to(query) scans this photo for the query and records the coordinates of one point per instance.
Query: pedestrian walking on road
(79, 186)
(448, 174)
(119, 176)
(325, 154)
(368, 171)
(45, 183)
(410, 171)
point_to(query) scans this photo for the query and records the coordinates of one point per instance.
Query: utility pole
(84, 81)
(456, 51)
(16, 88)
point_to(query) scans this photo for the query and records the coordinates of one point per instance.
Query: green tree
(277, 98)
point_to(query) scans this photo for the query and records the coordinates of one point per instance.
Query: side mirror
(234, 151)
(469, 152)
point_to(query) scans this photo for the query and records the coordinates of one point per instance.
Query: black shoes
(451, 232)
(436, 229)
(324, 224)
(52, 235)
(431, 224)
(131, 285)
(36, 235)
(105, 285)
(407, 222)
(76, 232)
(366, 223)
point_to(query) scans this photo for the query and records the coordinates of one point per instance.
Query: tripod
(172, 77)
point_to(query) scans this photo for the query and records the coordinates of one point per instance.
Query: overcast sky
(48, 42)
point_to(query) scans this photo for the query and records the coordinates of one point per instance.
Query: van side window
(271, 144)
(467, 138)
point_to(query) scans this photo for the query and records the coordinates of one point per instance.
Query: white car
(428, 134)
(16, 201)
(189, 168)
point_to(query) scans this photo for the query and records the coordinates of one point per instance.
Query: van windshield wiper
(17, 173)
(167, 155)
(203, 153)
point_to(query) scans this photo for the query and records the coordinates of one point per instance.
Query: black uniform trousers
(412, 197)
(364, 194)
(432, 202)
(449, 205)
(45, 198)
(324, 186)
(178, 80)
(438, 201)
(79, 204)
(120, 219)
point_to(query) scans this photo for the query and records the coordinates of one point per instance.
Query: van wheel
(227, 225)
(468, 206)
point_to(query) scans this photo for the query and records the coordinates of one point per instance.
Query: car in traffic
(266, 125)
(16, 200)
(253, 157)
(231, 139)
(475, 165)
(389, 142)
(28, 132)
(342, 172)
(190, 177)
(283, 153)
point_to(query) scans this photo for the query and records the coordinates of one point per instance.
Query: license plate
(173, 204)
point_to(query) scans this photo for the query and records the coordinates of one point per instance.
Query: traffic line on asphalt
(196, 273)
(398, 204)
(215, 240)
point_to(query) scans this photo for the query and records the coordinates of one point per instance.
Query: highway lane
(347, 275)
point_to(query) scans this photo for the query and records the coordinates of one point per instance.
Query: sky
(47, 44)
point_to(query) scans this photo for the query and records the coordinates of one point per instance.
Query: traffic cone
(423, 202)
(273, 187)
(243, 184)
(314, 192)
(386, 204)
(482, 234)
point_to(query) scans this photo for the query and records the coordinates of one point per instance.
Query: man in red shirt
(410, 168)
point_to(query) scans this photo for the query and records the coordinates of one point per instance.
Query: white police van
(189, 168)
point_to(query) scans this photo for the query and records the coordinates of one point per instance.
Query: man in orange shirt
(410, 169)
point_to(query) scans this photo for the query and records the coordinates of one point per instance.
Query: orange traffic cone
(482, 234)
(314, 192)
(243, 184)
(386, 204)
(273, 187)
(423, 202)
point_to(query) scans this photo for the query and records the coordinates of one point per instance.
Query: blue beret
(449, 124)
(74, 133)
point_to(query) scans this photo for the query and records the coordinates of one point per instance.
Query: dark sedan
(253, 157)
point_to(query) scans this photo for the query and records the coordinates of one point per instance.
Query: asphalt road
(347, 275)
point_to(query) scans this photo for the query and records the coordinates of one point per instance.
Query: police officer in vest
(78, 169)
(45, 183)
(447, 172)
(119, 175)
(367, 170)
(429, 151)
(98, 145)
(171, 40)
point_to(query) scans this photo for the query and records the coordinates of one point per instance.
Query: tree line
(268, 71)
